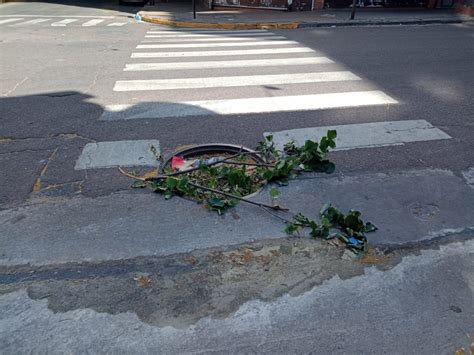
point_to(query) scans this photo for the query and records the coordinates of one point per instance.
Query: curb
(290, 25)
(379, 23)
(223, 26)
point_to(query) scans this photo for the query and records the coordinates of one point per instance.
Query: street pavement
(92, 90)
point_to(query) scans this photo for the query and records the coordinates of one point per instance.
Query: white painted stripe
(365, 135)
(204, 45)
(119, 153)
(92, 22)
(228, 64)
(31, 22)
(222, 53)
(10, 20)
(190, 30)
(244, 106)
(232, 81)
(218, 35)
(57, 16)
(117, 24)
(64, 22)
(218, 39)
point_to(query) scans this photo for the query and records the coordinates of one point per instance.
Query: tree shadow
(43, 135)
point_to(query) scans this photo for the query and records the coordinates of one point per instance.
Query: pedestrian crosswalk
(279, 62)
(54, 21)
(196, 73)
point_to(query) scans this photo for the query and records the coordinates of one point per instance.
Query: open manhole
(238, 175)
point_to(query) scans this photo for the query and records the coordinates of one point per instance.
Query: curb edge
(290, 25)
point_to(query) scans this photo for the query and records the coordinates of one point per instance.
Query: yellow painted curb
(223, 26)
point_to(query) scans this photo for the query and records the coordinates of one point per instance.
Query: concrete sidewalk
(407, 207)
(180, 15)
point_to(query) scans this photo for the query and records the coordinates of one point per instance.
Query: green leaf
(332, 134)
(370, 227)
(291, 228)
(325, 221)
(137, 184)
(182, 185)
(215, 202)
(353, 222)
(267, 175)
(274, 193)
(269, 138)
(171, 182)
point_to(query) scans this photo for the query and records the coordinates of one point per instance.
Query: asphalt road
(56, 82)
(402, 100)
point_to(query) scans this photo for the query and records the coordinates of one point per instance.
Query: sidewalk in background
(180, 15)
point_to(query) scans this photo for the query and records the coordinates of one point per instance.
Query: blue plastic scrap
(353, 241)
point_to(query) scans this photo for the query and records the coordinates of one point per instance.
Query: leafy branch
(221, 182)
(349, 228)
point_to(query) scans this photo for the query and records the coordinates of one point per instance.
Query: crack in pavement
(15, 87)
(37, 184)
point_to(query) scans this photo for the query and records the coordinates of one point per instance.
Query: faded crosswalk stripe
(82, 21)
(252, 105)
(365, 135)
(227, 64)
(31, 22)
(119, 153)
(216, 39)
(10, 20)
(230, 81)
(222, 52)
(92, 22)
(283, 66)
(64, 22)
(205, 45)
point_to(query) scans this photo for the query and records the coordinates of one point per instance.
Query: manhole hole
(219, 151)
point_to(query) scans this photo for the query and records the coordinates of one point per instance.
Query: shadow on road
(42, 136)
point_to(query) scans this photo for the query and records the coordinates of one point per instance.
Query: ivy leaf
(267, 175)
(332, 134)
(325, 221)
(215, 202)
(291, 228)
(370, 227)
(274, 193)
(182, 185)
(171, 183)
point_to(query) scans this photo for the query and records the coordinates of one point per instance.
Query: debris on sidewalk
(221, 175)
(143, 281)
